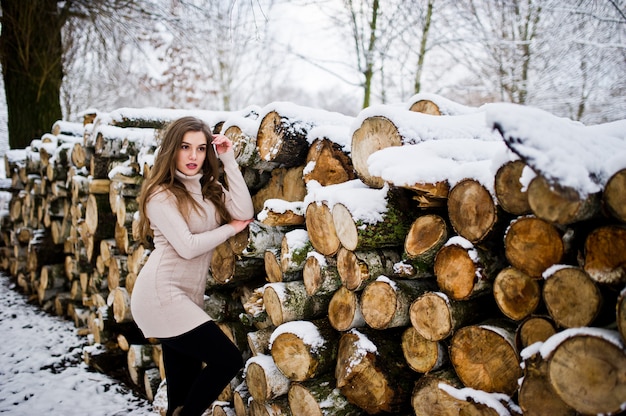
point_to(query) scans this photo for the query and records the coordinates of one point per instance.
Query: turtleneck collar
(192, 183)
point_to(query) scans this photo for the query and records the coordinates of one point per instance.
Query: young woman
(188, 213)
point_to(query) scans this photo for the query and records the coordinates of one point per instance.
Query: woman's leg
(223, 360)
(180, 372)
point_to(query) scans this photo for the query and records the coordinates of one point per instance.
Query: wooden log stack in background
(469, 276)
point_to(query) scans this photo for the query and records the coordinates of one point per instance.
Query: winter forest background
(568, 58)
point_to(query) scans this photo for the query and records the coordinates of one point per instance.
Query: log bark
(273, 270)
(428, 233)
(280, 141)
(421, 354)
(319, 397)
(327, 163)
(222, 306)
(517, 294)
(259, 341)
(436, 317)
(586, 369)
(321, 228)
(560, 204)
(275, 407)
(485, 357)
(294, 249)
(358, 268)
(512, 195)
(139, 358)
(303, 350)
(473, 212)
(285, 302)
(256, 239)
(372, 373)
(245, 148)
(264, 380)
(320, 274)
(571, 297)
(531, 245)
(241, 395)
(228, 267)
(620, 308)
(605, 255)
(613, 196)
(357, 234)
(385, 303)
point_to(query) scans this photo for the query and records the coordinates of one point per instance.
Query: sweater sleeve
(166, 219)
(237, 197)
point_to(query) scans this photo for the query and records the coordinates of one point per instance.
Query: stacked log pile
(470, 277)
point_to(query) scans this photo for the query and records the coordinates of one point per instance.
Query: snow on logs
(421, 258)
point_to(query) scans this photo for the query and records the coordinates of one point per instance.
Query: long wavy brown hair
(163, 176)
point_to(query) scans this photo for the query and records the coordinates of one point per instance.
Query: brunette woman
(188, 213)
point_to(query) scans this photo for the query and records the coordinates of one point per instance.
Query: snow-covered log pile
(423, 258)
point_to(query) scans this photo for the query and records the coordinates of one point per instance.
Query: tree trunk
(559, 204)
(605, 255)
(356, 234)
(286, 184)
(571, 297)
(374, 378)
(139, 358)
(228, 267)
(241, 396)
(461, 271)
(427, 235)
(259, 341)
(31, 54)
(285, 302)
(280, 141)
(256, 238)
(304, 350)
(536, 396)
(291, 215)
(534, 329)
(531, 245)
(621, 313)
(436, 317)
(275, 407)
(613, 196)
(374, 134)
(321, 228)
(319, 397)
(327, 163)
(320, 275)
(358, 268)
(265, 381)
(485, 358)
(473, 213)
(516, 294)
(586, 369)
(429, 399)
(385, 303)
(421, 354)
(121, 305)
(512, 195)
(344, 310)
(295, 247)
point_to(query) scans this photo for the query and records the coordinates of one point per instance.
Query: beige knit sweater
(168, 296)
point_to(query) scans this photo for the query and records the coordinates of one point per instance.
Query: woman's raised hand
(222, 143)
(239, 225)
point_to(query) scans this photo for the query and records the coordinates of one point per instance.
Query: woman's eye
(184, 146)
(202, 149)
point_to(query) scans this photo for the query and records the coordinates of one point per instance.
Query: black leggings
(188, 383)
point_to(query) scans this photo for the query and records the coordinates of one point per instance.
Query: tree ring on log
(374, 134)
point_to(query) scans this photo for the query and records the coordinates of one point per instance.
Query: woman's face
(192, 152)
